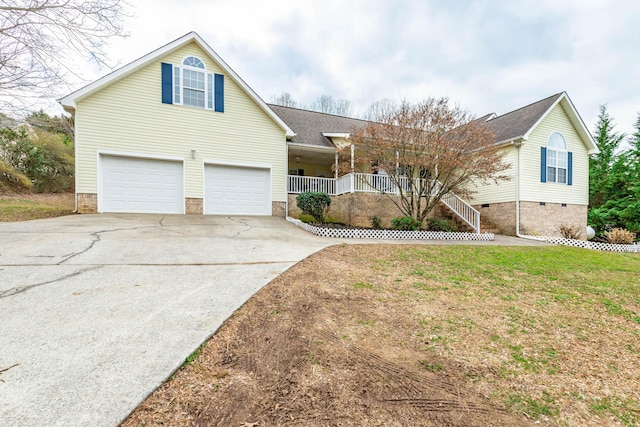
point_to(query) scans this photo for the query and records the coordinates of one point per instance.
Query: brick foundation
(535, 219)
(278, 209)
(501, 215)
(538, 220)
(193, 206)
(87, 202)
(355, 209)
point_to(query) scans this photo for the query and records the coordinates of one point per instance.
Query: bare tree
(39, 40)
(424, 151)
(326, 104)
(285, 99)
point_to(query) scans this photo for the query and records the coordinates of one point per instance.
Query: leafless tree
(326, 104)
(41, 40)
(285, 99)
(424, 151)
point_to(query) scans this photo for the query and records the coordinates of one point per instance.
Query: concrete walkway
(96, 311)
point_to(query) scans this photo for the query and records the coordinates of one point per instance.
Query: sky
(486, 56)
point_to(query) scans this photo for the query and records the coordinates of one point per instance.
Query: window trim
(558, 152)
(179, 86)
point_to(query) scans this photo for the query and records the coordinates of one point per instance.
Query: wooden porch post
(353, 176)
(336, 172)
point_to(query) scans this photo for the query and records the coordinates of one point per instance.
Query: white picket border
(586, 244)
(366, 233)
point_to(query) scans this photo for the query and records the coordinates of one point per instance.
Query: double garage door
(140, 185)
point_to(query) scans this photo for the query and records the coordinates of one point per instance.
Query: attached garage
(237, 190)
(141, 185)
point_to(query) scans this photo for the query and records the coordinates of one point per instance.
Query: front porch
(377, 184)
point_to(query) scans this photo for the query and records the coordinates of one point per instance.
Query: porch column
(336, 172)
(353, 175)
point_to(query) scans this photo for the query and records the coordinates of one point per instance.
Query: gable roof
(314, 128)
(518, 124)
(69, 102)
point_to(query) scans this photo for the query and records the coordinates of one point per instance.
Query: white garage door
(233, 190)
(141, 185)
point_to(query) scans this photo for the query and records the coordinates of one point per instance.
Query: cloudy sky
(487, 56)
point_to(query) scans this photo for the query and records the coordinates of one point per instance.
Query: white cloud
(486, 56)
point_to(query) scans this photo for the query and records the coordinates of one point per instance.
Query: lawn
(23, 207)
(423, 335)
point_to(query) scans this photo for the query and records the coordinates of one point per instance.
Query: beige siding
(128, 116)
(503, 191)
(535, 191)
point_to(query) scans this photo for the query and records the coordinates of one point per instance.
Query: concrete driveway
(96, 311)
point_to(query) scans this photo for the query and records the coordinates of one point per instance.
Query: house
(546, 143)
(178, 131)
(548, 147)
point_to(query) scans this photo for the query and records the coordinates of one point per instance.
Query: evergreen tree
(600, 165)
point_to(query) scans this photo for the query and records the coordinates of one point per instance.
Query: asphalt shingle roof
(310, 125)
(517, 123)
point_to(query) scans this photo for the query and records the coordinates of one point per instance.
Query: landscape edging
(366, 233)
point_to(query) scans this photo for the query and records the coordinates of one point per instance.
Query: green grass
(535, 310)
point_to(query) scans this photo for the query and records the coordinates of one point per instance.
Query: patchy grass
(24, 207)
(548, 334)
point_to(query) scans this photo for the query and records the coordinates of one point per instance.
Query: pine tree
(600, 165)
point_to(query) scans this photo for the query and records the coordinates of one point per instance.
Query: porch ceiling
(311, 155)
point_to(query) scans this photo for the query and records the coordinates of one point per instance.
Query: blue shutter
(219, 93)
(543, 164)
(569, 168)
(167, 83)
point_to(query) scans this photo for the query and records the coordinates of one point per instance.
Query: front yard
(423, 335)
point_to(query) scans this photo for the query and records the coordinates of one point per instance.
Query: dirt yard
(397, 336)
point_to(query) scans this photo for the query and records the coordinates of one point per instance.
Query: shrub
(314, 204)
(375, 222)
(435, 224)
(405, 223)
(569, 231)
(620, 236)
(44, 158)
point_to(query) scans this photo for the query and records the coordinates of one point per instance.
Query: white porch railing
(377, 183)
(300, 184)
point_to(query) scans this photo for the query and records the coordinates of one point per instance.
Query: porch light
(193, 154)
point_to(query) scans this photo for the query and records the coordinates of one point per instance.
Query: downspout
(517, 144)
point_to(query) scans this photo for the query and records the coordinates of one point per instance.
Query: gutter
(519, 144)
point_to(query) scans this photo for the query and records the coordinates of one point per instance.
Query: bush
(405, 223)
(620, 236)
(569, 231)
(314, 204)
(435, 224)
(375, 222)
(44, 158)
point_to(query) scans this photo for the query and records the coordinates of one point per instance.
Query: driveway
(96, 311)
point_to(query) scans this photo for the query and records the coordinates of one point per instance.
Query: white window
(557, 159)
(193, 86)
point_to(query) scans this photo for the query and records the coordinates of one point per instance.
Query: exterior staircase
(485, 226)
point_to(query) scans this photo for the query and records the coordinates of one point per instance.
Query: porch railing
(300, 184)
(377, 183)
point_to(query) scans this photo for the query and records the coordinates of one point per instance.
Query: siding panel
(503, 191)
(535, 191)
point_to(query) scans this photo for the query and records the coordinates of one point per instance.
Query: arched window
(190, 84)
(557, 159)
(193, 82)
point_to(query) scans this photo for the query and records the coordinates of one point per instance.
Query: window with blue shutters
(556, 161)
(189, 84)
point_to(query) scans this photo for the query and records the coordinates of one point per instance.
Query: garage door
(141, 185)
(232, 190)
